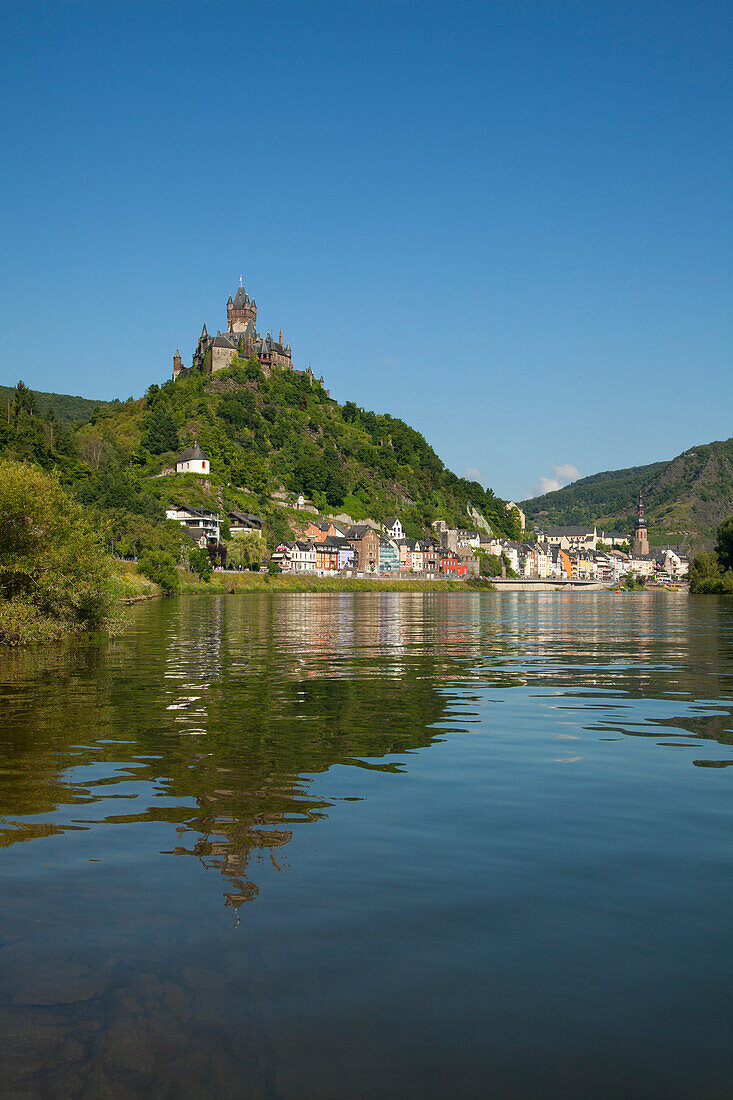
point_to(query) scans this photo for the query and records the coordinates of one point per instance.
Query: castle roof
(192, 454)
(223, 340)
(241, 298)
(268, 345)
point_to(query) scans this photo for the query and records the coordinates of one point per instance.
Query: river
(371, 845)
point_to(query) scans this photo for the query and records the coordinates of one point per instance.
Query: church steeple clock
(641, 536)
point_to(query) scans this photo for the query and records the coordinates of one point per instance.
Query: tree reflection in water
(221, 709)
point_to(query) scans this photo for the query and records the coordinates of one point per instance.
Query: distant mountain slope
(685, 499)
(67, 408)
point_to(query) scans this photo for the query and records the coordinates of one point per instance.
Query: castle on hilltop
(242, 340)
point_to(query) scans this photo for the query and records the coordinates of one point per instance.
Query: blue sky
(507, 222)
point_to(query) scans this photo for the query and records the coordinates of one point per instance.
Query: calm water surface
(372, 845)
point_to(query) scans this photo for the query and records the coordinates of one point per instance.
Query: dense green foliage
(199, 563)
(55, 576)
(66, 409)
(712, 573)
(261, 435)
(685, 499)
(160, 567)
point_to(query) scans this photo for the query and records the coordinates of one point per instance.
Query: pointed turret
(240, 310)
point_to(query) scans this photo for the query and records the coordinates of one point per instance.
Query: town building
(451, 565)
(572, 538)
(327, 556)
(466, 538)
(613, 538)
(365, 541)
(640, 545)
(244, 523)
(642, 565)
(671, 561)
(346, 555)
(389, 556)
(320, 529)
(393, 527)
(192, 461)
(472, 564)
(198, 521)
(300, 556)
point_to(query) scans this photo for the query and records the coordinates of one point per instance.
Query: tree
(199, 563)
(244, 551)
(724, 544)
(54, 570)
(161, 434)
(24, 401)
(490, 565)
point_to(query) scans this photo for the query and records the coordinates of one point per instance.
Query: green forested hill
(685, 499)
(67, 409)
(261, 435)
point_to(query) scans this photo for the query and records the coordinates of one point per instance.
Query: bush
(159, 567)
(55, 576)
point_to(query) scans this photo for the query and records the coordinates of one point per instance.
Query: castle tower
(640, 545)
(240, 310)
(177, 364)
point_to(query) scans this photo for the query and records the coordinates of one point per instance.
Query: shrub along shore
(132, 585)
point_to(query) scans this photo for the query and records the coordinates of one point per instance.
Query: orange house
(565, 562)
(320, 529)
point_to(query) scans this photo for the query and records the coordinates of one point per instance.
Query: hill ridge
(686, 497)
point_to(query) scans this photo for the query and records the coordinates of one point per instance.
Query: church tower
(240, 310)
(640, 545)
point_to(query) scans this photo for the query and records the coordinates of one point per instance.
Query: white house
(192, 461)
(393, 527)
(572, 538)
(642, 565)
(299, 556)
(197, 520)
(468, 538)
(510, 550)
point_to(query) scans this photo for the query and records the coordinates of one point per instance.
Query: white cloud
(566, 473)
(472, 475)
(563, 474)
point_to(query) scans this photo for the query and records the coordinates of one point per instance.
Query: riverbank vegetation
(55, 575)
(712, 573)
(228, 583)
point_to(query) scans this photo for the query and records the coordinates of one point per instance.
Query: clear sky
(507, 222)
